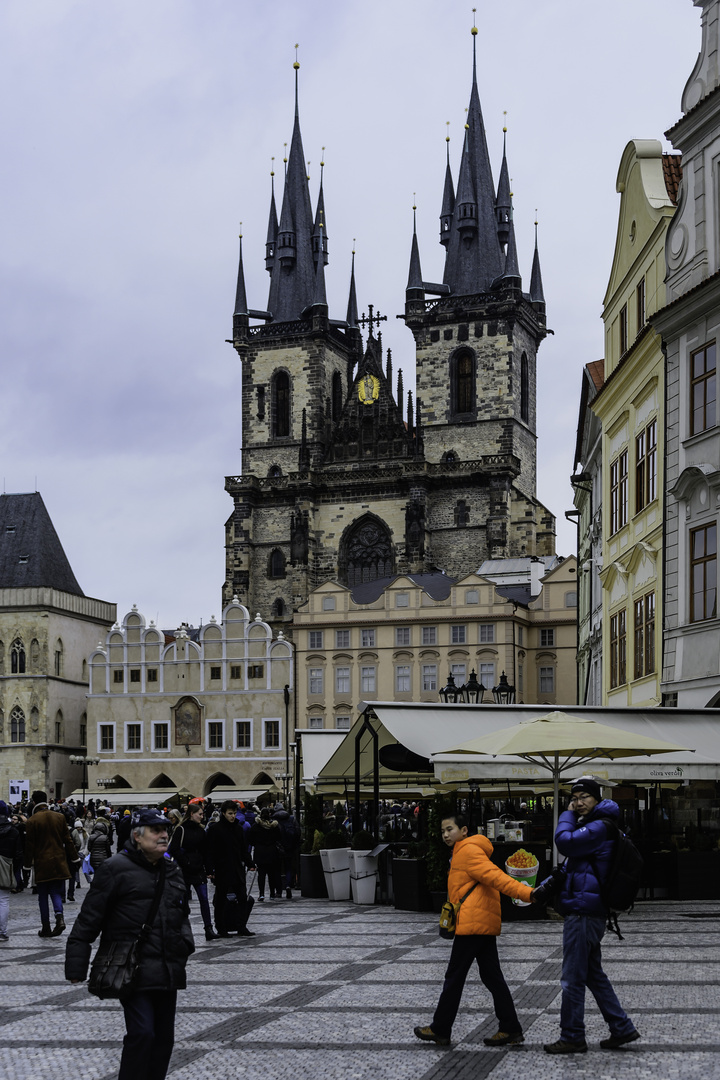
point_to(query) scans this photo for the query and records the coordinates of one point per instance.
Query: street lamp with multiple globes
(81, 759)
(470, 692)
(504, 692)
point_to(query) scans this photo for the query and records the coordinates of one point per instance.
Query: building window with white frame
(133, 737)
(646, 466)
(328, 603)
(215, 734)
(458, 673)
(316, 723)
(161, 736)
(487, 633)
(458, 635)
(402, 678)
(486, 675)
(342, 680)
(271, 734)
(402, 599)
(243, 734)
(367, 679)
(367, 638)
(106, 738)
(429, 635)
(315, 680)
(402, 635)
(703, 389)
(619, 492)
(342, 639)
(547, 680)
(429, 677)
(315, 639)
(472, 596)
(547, 637)
(342, 723)
(703, 573)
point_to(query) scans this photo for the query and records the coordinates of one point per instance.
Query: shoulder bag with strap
(115, 967)
(449, 914)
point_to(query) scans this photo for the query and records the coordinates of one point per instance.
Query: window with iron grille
(118, 676)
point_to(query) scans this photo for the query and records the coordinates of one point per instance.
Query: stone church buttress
(344, 479)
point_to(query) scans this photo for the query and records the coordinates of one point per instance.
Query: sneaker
(4, 937)
(504, 1038)
(261, 898)
(616, 1041)
(564, 1047)
(428, 1035)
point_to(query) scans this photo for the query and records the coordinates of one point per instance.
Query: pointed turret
(448, 203)
(388, 370)
(410, 412)
(241, 307)
(292, 285)
(414, 290)
(502, 202)
(272, 231)
(319, 300)
(511, 274)
(352, 308)
(537, 296)
(320, 240)
(473, 258)
(399, 397)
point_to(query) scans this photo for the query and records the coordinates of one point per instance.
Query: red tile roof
(672, 171)
(596, 371)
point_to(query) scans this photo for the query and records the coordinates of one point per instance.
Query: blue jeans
(53, 889)
(582, 966)
(202, 895)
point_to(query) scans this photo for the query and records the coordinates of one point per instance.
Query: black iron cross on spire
(369, 320)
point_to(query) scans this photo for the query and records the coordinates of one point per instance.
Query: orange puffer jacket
(480, 913)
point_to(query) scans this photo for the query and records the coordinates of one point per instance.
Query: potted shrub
(312, 879)
(363, 868)
(335, 858)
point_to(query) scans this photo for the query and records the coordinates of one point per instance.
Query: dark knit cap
(589, 786)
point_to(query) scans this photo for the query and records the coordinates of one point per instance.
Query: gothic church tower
(344, 479)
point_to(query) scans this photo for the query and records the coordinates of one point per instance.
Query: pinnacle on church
(448, 202)
(352, 308)
(503, 204)
(320, 238)
(272, 231)
(474, 258)
(537, 296)
(511, 273)
(414, 290)
(319, 300)
(292, 284)
(241, 307)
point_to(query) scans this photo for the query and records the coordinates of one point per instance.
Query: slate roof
(436, 585)
(31, 555)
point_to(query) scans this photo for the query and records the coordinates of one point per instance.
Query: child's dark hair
(460, 819)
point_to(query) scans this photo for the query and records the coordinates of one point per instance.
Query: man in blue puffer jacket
(587, 842)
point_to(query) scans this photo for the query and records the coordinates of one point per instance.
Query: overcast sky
(137, 134)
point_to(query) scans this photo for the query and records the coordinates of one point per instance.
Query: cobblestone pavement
(334, 990)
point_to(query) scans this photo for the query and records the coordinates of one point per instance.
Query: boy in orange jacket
(475, 880)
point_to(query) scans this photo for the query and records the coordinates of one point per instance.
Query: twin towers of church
(341, 477)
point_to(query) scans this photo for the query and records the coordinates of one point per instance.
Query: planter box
(363, 877)
(410, 889)
(336, 868)
(312, 879)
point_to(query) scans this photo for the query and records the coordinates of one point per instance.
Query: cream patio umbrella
(559, 741)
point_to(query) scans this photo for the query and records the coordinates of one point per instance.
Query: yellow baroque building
(630, 406)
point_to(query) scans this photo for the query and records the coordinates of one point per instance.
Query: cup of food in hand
(523, 866)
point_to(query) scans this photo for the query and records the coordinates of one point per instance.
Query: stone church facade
(344, 476)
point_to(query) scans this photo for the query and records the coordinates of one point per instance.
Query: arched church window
(524, 389)
(274, 472)
(281, 404)
(276, 564)
(17, 657)
(366, 552)
(463, 383)
(17, 725)
(462, 514)
(278, 608)
(337, 395)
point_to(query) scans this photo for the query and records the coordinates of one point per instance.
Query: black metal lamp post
(81, 759)
(474, 690)
(286, 782)
(504, 693)
(451, 693)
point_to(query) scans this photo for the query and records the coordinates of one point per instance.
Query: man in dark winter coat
(11, 854)
(118, 903)
(229, 858)
(583, 836)
(50, 850)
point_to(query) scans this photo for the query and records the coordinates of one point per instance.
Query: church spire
(293, 284)
(511, 273)
(448, 203)
(319, 300)
(502, 202)
(272, 231)
(241, 307)
(352, 308)
(537, 296)
(473, 258)
(414, 290)
(320, 240)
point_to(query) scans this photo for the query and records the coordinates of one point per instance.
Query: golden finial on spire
(536, 217)
(296, 65)
(353, 250)
(322, 163)
(447, 137)
(474, 27)
(285, 158)
(272, 166)
(505, 120)
(466, 123)
(308, 169)
(414, 201)
(240, 233)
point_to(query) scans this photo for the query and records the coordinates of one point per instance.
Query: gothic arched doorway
(366, 552)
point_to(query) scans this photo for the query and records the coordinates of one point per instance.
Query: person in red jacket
(477, 882)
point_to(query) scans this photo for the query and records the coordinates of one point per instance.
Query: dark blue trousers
(483, 949)
(148, 1044)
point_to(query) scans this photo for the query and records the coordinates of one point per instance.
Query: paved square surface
(331, 990)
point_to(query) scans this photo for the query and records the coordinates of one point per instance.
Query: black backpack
(620, 887)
